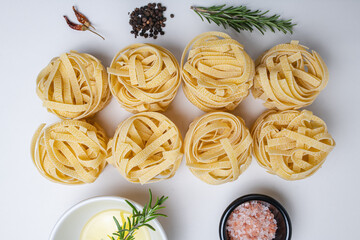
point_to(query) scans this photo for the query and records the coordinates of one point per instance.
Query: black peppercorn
(148, 20)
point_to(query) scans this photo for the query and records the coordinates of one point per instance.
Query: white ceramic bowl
(70, 224)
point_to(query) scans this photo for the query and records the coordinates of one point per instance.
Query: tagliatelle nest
(70, 152)
(144, 77)
(291, 144)
(218, 147)
(73, 86)
(289, 77)
(218, 72)
(146, 147)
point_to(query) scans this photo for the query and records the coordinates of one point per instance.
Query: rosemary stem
(214, 12)
(241, 18)
(202, 10)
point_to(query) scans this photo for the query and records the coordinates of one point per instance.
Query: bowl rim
(254, 197)
(97, 199)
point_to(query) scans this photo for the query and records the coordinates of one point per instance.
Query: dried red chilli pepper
(82, 18)
(74, 26)
(80, 27)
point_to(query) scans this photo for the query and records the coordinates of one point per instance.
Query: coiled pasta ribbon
(146, 147)
(73, 86)
(144, 77)
(289, 77)
(218, 147)
(218, 72)
(70, 152)
(291, 144)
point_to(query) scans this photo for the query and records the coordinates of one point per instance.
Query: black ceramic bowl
(283, 231)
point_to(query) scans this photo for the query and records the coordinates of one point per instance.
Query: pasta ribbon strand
(218, 73)
(70, 152)
(146, 147)
(144, 77)
(73, 86)
(288, 76)
(291, 144)
(218, 147)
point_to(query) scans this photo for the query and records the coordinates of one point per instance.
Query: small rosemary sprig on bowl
(241, 18)
(139, 219)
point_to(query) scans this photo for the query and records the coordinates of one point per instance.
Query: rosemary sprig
(139, 219)
(241, 18)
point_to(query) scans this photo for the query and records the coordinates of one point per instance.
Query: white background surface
(324, 206)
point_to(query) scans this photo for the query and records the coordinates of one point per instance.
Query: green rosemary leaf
(242, 18)
(132, 206)
(129, 222)
(117, 223)
(200, 16)
(149, 226)
(159, 215)
(150, 198)
(150, 219)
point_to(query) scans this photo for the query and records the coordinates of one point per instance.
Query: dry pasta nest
(218, 72)
(146, 147)
(289, 77)
(291, 144)
(218, 147)
(70, 152)
(144, 77)
(73, 86)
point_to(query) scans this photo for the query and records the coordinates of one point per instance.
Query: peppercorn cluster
(148, 21)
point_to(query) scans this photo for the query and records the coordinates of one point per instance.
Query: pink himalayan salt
(251, 221)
